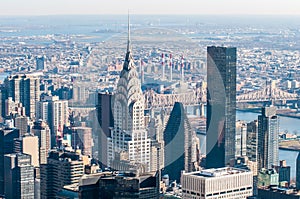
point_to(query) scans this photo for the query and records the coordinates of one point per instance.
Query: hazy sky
(50, 7)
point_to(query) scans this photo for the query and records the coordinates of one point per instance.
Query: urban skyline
(181, 107)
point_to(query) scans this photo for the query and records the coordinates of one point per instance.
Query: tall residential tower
(24, 89)
(268, 140)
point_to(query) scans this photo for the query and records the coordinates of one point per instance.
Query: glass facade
(221, 106)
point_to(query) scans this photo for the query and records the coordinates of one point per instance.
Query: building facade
(40, 63)
(221, 106)
(62, 168)
(119, 186)
(178, 140)
(227, 182)
(19, 176)
(241, 139)
(7, 137)
(28, 144)
(106, 121)
(55, 112)
(82, 138)
(298, 172)
(268, 138)
(252, 141)
(284, 172)
(129, 134)
(24, 89)
(42, 131)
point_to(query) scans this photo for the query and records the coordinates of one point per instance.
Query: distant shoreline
(258, 110)
(289, 149)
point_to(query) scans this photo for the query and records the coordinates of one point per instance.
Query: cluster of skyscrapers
(45, 153)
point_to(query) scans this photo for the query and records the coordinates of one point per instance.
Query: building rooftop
(218, 172)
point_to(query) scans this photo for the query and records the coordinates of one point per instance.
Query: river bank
(291, 113)
(290, 145)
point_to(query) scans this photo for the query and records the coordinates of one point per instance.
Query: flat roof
(216, 172)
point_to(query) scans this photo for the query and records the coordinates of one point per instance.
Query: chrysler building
(129, 136)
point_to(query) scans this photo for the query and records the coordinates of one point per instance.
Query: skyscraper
(62, 168)
(42, 131)
(82, 138)
(28, 144)
(3, 94)
(178, 137)
(19, 176)
(7, 137)
(21, 123)
(106, 121)
(42, 110)
(24, 89)
(58, 116)
(298, 172)
(40, 63)
(284, 172)
(129, 134)
(241, 138)
(268, 132)
(55, 113)
(252, 153)
(252, 140)
(221, 106)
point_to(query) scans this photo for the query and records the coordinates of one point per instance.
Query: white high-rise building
(240, 139)
(268, 138)
(129, 134)
(56, 113)
(59, 115)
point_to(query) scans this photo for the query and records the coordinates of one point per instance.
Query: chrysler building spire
(128, 63)
(128, 37)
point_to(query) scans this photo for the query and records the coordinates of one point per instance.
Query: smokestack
(182, 69)
(142, 72)
(163, 65)
(171, 75)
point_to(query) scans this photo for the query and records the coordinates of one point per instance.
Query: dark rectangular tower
(19, 176)
(221, 106)
(178, 143)
(106, 121)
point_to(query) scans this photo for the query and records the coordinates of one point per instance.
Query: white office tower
(226, 182)
(56, 113)
(129, 135)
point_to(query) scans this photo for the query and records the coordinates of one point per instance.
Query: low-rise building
(226, 182)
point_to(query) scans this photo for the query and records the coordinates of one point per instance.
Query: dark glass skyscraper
(221, 106)
(298, 172)
(7, 137)
(178, 143)
(106, 121)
